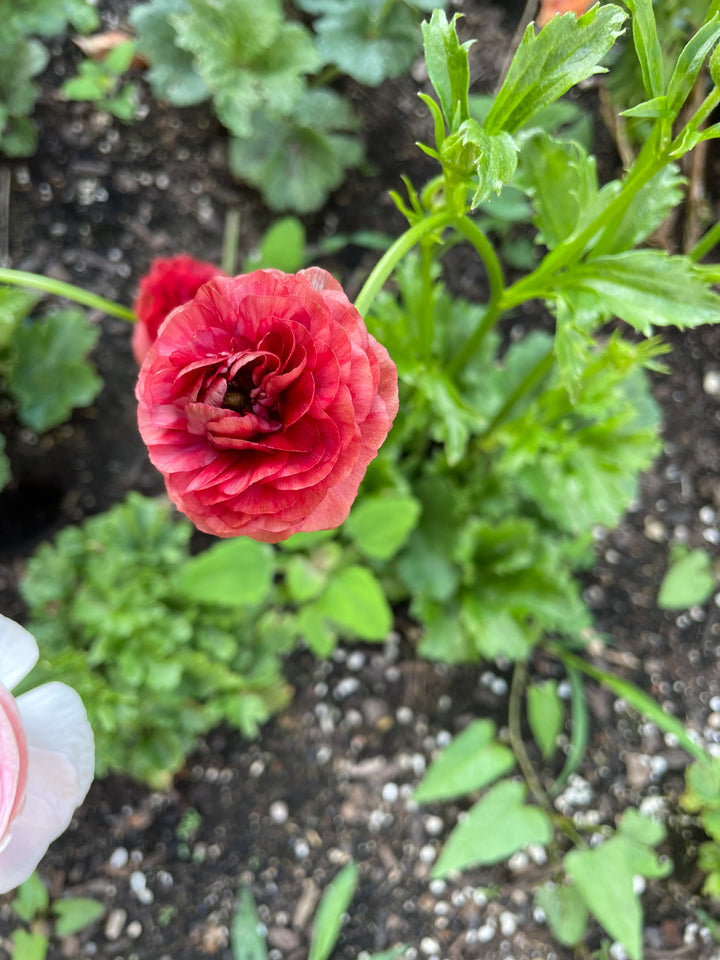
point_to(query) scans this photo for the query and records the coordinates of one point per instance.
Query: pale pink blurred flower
(47, 758)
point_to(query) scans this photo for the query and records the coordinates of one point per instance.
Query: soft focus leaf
(355, 601)
(564, 910)
(546, 65)
(690, 63)
(380, 525)
(15, 305)
(282, 247)
(236, 573)
(5, 470)
(247, 932)
(75, 913)
(31, 898)
(494, 159)
(28, 946)
(690, 580)
(496, 827)
(545, 715)
(49, 374)
(647, 46)
(296, 161)
(328, 919)
(172, 74)
(470, 762)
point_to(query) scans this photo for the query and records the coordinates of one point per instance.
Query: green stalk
(637, 698)
(394, 254)
(33, 281)
(706, 243)
(426, 318)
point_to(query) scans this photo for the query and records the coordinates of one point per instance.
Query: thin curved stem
(706, 243)
(533, 376)
(33, 281)
(394, 254)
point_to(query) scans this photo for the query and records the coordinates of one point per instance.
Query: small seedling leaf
(329, 916)
(545, 715)
(247, 933)
(75, 913)
(31, 899)
(564, 911)
(689, 580)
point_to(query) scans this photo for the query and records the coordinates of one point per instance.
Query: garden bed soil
(329, 779)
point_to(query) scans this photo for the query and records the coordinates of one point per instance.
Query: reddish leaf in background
(262, 402)
(550, 9)
(169, 283)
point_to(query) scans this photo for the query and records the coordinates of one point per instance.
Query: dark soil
(330, 778)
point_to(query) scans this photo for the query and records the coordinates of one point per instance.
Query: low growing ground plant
(265, 399)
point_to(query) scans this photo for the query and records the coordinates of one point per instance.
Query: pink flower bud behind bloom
(262, 401)
(169, 283)
(47, 758)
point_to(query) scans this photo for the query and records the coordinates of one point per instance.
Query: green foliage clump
(155, 667)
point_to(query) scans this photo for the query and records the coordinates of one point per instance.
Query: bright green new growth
(66, 916)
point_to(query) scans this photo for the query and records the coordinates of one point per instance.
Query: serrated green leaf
(296, 161)
(546, 714)
(48, 373)
(573, 347)
(496, 827)
(690, 580)
(690, 63)
(75, 913)
(647, 46)
(234, 573)
(448, 69)
(28, 946)
(545, 66)
(494, 159)
(564, 910)
(247, 933)
(355, 601)
(367, 40)
(470, 762)
(329, 916)
(172, 74)
(31, 898)
(380, 525)
(648, 209)
(646, 289)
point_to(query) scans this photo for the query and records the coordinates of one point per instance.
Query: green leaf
(573, 347)
(305, 578)
(355, 601)
(496, 827)
(28, 946)
(234, 573)
(690, 580)
(690, 63)
(702, 786)
(647, 46)
(604, 879)
(564, 910)
(282, 247)
(248, 55)
(15, 305)
(380, 525)
(329, 916)
(5, 469)
(247, 933)
(366, 39)
(31, 898)
(172, 74)
(19, 137)
(49, 374)
(494, 158)
(646, 288)
(470, 762)
(120, 57)
(296, 161)
(447, 65)
(566, 51)
(545, 715)
(648, 209)
(312, 626)
(75, 913)
(561, 180)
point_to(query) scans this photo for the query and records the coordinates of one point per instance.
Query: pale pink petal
(49, 805)
(55, 720)
(13, 761)
(18, 652)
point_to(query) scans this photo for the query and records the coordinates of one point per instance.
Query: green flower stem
(531, 378)
(637, 698)
(517, 690)
(426, 318)
(470, 230)
(394, 254)
(33, 281)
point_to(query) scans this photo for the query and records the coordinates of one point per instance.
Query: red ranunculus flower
(262, 401)
(170, 283)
